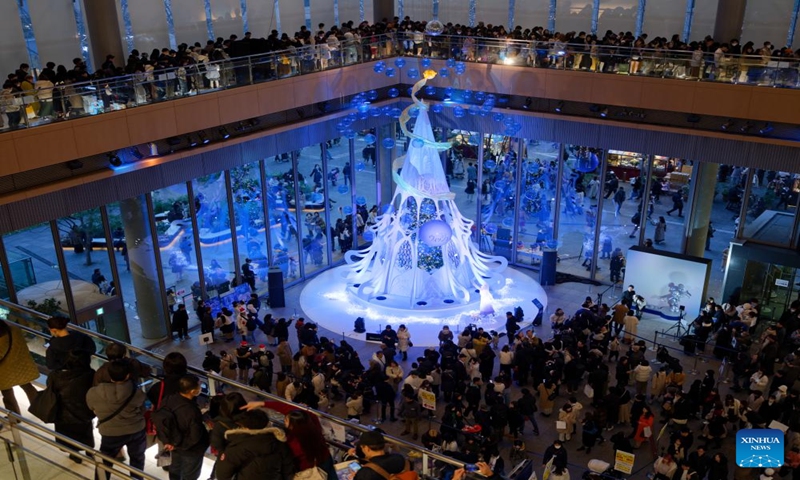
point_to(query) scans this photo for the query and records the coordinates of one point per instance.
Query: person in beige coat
(17, 368)
(631, 327)
(546, 389)
(658, 383)
(227, 365)
(284, 353)
(565, 422)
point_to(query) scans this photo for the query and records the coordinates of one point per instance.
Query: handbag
(588, 391)
(46, 405)
(149, 426)
(164, 458)
(120, 409)
(647, 432)
(313, 473)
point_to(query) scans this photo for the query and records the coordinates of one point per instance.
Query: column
(144, 269)
(383, 9)
(385, 158)
(103, 30)
(730, 18)
(705, 180)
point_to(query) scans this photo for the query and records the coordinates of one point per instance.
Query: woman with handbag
(403, 341)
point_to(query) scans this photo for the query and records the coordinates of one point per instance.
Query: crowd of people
(58, 91)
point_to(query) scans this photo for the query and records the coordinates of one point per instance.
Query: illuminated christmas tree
(422, 254)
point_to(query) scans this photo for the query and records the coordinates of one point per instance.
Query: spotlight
(136, 153)
(727, 125)
(203, 137)
(114, 159)
(766, 128)
(604, 112)
(746, 127)
(693, 118)
(153, 149)
(74, 164)
(223, 132)
(559, 107)
(191, 140)
(528, 101)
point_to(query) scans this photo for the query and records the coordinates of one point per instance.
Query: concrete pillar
(144, 270)
(385, 158)
(704, 188)
(383, 9)
(730, 18)
(102, 28)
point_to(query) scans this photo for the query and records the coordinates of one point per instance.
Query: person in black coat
(180, 322)
(70, 383)
(64, 341)
(718, 469)
(385, 394)
(558, 454)
(281, 329)
(255, 451)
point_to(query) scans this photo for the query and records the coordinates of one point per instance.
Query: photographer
(482, 468)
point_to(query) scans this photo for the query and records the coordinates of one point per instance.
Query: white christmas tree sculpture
(422, 255)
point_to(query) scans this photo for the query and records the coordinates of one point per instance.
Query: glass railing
(341, 434)
(64, 102)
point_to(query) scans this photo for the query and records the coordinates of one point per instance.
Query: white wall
(418, 9)
(149, 23)
(261, 18)
(12, 43)
(189, 17)
(617, 16)
(573, 15)
(293, 16)
(455, 11)
(227, 17)
(491, 12)
(664, 18)
(531, 13)
(767, 20)
(322, 12)
(55, 30)
(705, 15)
(348, 10)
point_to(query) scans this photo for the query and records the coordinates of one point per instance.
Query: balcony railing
(65, 102)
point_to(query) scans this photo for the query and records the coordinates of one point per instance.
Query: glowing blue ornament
(435, 233)
(340, 127)
(360, 167)
(368, 235)
(490, 228)
(509, 132)
(517, 126)
(508, 121)
(444, 73)
(451, 62)
(394, 93)
(387, 110)
(459, 112)
(480, 96)
(413, 73)
(388, 143)
(508, 222)
(396, 113)
(587, 163)
(372, 95)
(363, 115)
(490, 164)
(369, 138)
(461, 65)
(417, 143)
(437, 108)
(342, 189)
(379, 67)
(350, 133)
(347, 210)
(400, 62)
(351, 117)
(487, 107)
(430, 90)
(390, 72)
(410, 91)
(413, 112)
(361, 200)
(483, 113)
(467, 95)
(375, 112)
(472, 110)
(498, 117)
(364, 107)
(425, 62)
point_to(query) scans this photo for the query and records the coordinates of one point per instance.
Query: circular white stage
(327, 301)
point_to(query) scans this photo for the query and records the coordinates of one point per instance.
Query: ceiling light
(114, 159)
(604, 112)
(203, 137)
(766, 128)
(559, 107)
(727, 125)
(746, 127)
(223, 132)
(191, 141)
(528, 101)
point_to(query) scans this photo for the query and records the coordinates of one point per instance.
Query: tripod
(677, 330)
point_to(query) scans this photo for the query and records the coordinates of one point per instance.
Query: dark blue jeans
(185, 466)
(136, 443)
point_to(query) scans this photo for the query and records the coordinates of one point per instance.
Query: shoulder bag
(45, 405)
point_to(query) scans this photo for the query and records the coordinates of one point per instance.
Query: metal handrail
(400, 443)
(13, 421)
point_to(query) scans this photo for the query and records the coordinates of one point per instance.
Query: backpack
(406, 474)
(166, 424)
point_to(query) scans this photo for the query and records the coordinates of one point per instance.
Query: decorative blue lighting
(512, 5)
(336, 12)
(245, 23)
(27, 32)
(81, 30)
(595, 15)
(173, 43)
(126, 20)
(209, 20)
(360, 10)
(307, 13)
(276, 8)
(473, 7)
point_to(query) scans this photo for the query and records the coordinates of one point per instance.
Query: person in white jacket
(759, 382)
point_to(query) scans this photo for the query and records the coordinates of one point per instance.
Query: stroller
(600, 470)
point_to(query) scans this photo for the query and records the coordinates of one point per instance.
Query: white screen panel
(149, 23)
(189, 17)
(492, 12)
(322, 12)
(369, 12)
(12, 42)
(292, 15)
(455, 11)
(532, 13)
(664, 18)
(573, 16)
(227, 17)
(418, 10)
(55, 30)
(348, 11)
(766, 21)
(617, 16)
(261, 18)
(705, 15)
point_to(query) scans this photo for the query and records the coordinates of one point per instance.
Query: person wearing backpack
(255, 451)
(268, 327)
(180, 427)
(119, 407)
(377, 464)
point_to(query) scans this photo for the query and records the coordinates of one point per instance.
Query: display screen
(667, 281)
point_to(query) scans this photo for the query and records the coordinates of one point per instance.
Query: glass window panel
(366, 181)
(581, 167)
(248, 212)
(572, 15)
(772, 206)
(83, 241)
(491, 13)
(227, 18)
(214, 232)
(669, 199)
(461, 167)
(338, 155)
(313, 201)
(34, 269)
(539, 174)
(664, 18)
(530, 13)
(189, 17)
(176, 241)
(497, 211)
(282, 219)
(705, 15)
(456, 11)
(617, 16)
(766, 21)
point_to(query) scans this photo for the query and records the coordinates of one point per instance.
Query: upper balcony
(102, 116)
